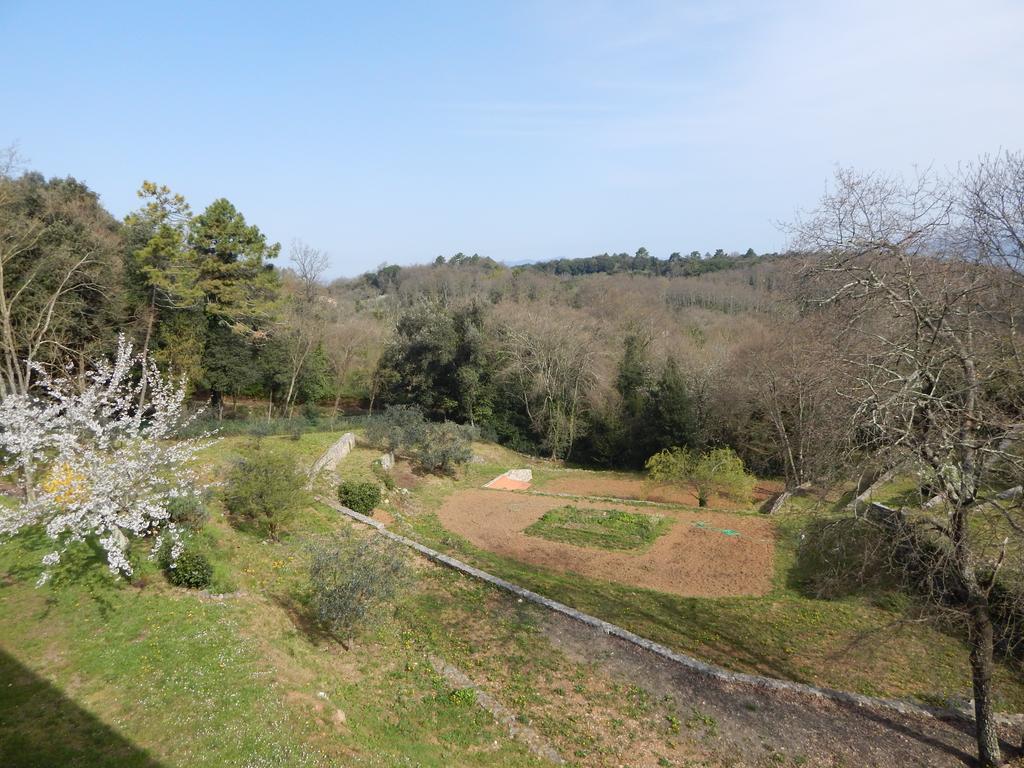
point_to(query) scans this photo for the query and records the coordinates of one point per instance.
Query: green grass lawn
(146, 674)
(604, 528)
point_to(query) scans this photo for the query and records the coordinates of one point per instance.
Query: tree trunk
(981, 673)
(291, 391)
(28, 477)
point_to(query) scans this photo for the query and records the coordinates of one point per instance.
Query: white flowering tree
(94, 465)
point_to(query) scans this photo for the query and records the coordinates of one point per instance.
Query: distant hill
(643, 262)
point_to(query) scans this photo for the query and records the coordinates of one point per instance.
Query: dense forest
(602, 360)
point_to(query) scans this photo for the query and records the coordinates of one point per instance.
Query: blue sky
(521, 130)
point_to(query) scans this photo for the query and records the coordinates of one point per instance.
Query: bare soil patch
(687, 560)
(404, 476)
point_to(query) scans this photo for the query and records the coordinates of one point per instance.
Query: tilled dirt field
(621, 487)
(687, 560)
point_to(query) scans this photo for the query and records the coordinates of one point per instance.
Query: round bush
(192, 570)
(359, 496)
(264, 490)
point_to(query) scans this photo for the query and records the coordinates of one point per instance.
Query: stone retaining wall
(334, 454)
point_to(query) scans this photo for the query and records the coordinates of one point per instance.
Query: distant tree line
(642, 262)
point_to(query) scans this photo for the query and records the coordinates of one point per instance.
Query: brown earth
(404, 475)
(686, 560)
(621, 487)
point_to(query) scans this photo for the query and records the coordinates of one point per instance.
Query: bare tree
(924, 301)
(354, 339)
(310, 265)
(785, 377)
(552, 371)
(305, 315)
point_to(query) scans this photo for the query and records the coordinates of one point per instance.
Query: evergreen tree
(669, 415)
(439, 360)
(228, 363)
(161, 273)
(238, 284)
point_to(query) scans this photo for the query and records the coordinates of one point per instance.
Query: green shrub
(264, 489)
(718, 471)
(445, 446)
(310, 413)
(188, 511)
(192, 570)
(352, 578)
(434, 447)
(399, 428)
(359, 496)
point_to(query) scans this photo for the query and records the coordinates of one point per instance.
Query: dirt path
(687, 560)
(748, 726)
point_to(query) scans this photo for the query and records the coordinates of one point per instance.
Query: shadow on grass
(893, 723)
(40, 727)
(301, 616)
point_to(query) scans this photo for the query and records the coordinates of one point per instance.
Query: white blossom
(97, 466)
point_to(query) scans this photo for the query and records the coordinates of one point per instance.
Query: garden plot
(692, 553)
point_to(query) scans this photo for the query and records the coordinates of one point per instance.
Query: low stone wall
(334, 454)
(688, 662)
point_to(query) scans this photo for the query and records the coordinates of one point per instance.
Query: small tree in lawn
(352, 578)
(265, 489)
(94, 465)
(719, 471)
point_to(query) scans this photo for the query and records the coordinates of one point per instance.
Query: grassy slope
(97, 672)
(856, 643)
(195, 682)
